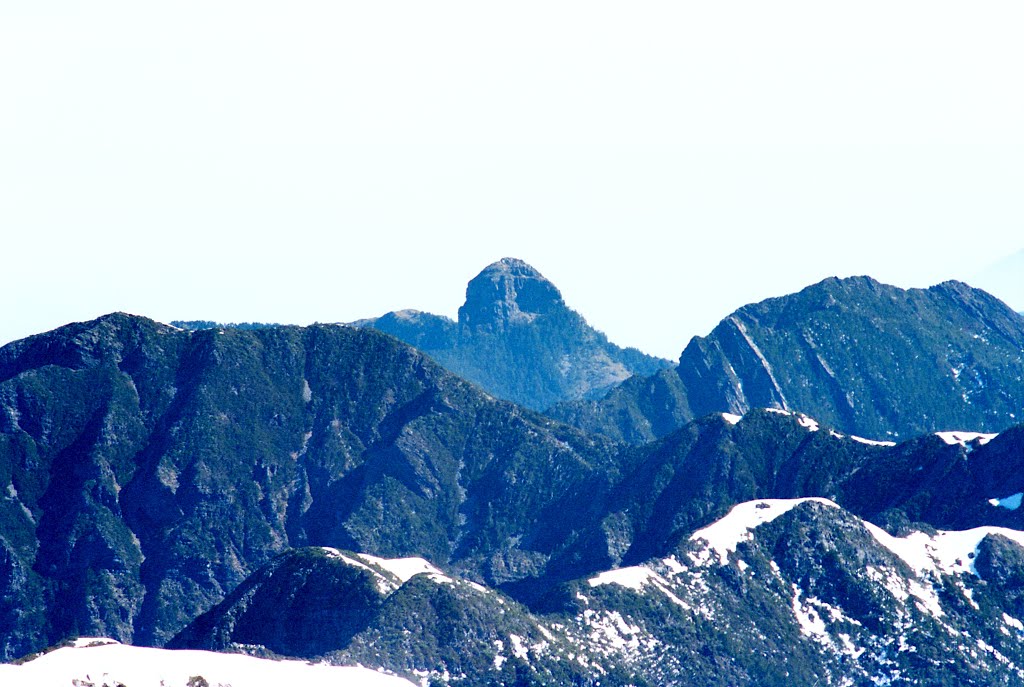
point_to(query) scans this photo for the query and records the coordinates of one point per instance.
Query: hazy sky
(662, 163)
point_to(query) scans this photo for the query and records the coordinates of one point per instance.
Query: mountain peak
(506, 292)
(511, 266)
(845, 284)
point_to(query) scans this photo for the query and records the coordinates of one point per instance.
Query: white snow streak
(760, 356)
(636, 578)
(872, 442)
(964, 438)
(811, 623)
(809, 423)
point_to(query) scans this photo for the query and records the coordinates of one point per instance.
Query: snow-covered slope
(810, 594)
(104, 661)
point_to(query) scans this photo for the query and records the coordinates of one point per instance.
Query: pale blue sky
(662, 163)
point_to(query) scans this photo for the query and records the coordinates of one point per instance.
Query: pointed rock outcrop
(516, 338)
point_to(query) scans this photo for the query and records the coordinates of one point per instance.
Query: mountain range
(333, 494)
(867, 358)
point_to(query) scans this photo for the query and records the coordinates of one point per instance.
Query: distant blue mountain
(518, 340)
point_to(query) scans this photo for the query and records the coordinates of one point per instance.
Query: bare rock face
(516, 338)
(508, 293)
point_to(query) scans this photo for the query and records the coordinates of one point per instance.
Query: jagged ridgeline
(866, 358)
(518, 340)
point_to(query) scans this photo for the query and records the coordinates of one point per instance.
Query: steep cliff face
(867, 358)
(518, 340)
(507, 293)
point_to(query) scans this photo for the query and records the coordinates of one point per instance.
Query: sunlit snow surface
(948, 552)
(114, 663)
(634, 578)
(964, 438)
(872, 442)
(402, 568)
(808, 422)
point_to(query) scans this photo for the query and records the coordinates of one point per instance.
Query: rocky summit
(507, 293)
(866, 358)
(518, 340)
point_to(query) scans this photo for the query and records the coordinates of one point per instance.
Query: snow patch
(948, 552)
(890, 580)
(731, 418)
(811, 623)
(849, 648)
(807, 422)
(612, 631)
(384, 585)
(872, 442)
(634, 578)
(674, 566)
(440, 578)
(402, 568)
(477, 587)
(968, 594)
(927, 599)
(760, 356)
(722, 537)
(519, 649)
